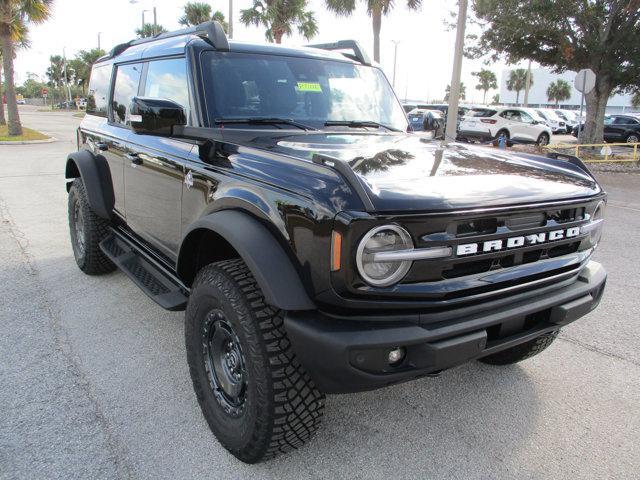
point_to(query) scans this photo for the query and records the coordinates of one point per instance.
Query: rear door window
(481, 112)
(168, 79)
(97, 99)
(624, 121)
(125, 88)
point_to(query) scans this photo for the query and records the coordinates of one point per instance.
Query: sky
(425, 49)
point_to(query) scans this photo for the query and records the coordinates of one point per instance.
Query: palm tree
(463, 92)
(517, 81)
(279, 17)
(55, 71)
(558, 91)
(375, 9)
(81, 66)
(196, 13)
(150, 30)
(486, 81)
(15, 15)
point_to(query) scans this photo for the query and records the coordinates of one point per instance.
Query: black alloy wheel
(224, 363)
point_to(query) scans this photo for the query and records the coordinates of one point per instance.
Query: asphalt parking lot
(94, 382)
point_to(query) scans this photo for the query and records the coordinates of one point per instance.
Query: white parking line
(610, 204)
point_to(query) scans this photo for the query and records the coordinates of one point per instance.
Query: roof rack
(358, 52)
(211, 31)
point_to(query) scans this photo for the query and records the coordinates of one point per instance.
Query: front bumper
(343, 355)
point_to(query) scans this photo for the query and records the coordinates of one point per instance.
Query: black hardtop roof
(211, 33)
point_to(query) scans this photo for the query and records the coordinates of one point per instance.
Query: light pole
(395, 58)
(454, 92)
(66, 79)
(230, 18)
(142, 26)
(527, 85)
(155, 22)
(99, 33)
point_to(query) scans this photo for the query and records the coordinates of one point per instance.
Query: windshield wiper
(358, 124)
(264, 121)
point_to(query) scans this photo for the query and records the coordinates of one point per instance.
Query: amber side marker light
(336, 250)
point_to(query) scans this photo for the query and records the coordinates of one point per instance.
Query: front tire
(521, 352)
(633, 138)
(256, 397)
(87, 230)
(543, 139)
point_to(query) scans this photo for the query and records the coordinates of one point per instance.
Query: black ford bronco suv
(317, 247)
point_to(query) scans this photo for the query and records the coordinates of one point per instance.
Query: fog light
(396, 356)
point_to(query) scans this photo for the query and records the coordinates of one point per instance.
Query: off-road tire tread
(94, 261)
(295, 407)
(521, 352)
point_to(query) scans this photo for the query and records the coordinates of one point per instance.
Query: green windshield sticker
(309, 87)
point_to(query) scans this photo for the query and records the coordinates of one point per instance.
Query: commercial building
(542, 77)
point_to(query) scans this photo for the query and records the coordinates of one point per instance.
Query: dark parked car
(427, 120)
(619, 128)
(317, 247)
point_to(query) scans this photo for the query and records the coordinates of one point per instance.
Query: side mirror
(155, 116)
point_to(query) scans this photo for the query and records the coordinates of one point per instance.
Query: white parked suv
(513, 124)
(556, 123)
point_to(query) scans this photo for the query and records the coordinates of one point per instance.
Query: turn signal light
(336, 251)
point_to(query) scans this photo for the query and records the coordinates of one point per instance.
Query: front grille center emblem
(513, 242)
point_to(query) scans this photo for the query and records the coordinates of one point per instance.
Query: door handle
(135, 159)
(102, 146)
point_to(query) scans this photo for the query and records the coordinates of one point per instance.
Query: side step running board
(156, 283)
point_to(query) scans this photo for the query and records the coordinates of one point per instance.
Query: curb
(31, 142)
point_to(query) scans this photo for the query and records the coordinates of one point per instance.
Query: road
(94, 382)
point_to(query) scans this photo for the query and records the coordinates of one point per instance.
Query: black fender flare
(258, 247)
(96, 176)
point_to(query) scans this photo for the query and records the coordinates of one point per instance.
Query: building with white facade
(542, 77)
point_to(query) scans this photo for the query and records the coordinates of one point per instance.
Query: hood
(403, 172)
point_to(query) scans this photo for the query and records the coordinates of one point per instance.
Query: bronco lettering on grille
(515, 242)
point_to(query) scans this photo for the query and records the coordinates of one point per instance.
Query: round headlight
(387, 238)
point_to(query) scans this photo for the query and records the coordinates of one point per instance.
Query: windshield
(310, 91)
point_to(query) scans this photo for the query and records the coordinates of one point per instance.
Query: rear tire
(87, 230)
(505, 133)
(256, 397)
(521, 352)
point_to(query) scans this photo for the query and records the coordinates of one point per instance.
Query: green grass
(27, 134)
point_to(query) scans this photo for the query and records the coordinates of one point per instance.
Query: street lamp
(99, 33)
(395, 57)
(155, 16)
(142, 26)
(230, 18)
(66, 79)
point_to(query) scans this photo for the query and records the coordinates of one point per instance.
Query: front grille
(458, 231)
(469, 275)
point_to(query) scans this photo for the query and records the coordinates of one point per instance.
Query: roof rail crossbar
(358, 52)
(211, 31)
